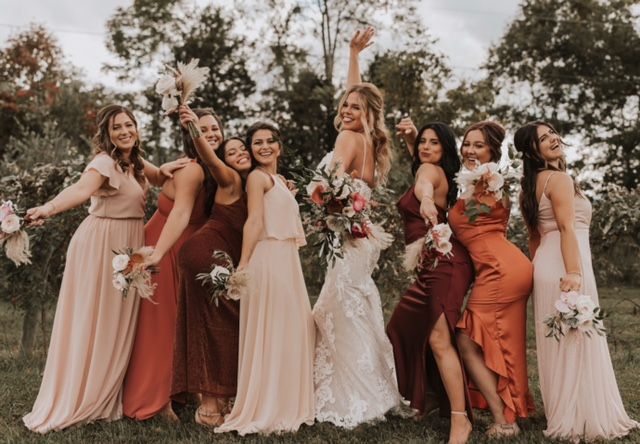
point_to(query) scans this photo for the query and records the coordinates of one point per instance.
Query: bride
(354, 371)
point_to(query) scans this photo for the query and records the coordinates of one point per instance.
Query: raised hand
(407, 130)
(361, 40)
(187, 115)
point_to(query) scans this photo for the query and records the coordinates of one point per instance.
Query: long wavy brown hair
(526, 142)
(375, 130)
(102, 141)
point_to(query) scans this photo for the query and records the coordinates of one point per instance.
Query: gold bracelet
(577, 273)
(427, 197)
(53, 207)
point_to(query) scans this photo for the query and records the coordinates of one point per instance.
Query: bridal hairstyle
(526, 142)
(450, 161)
(102, 142)
(493, 134)
(189, 150)
(375, 130)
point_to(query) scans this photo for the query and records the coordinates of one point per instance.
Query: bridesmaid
(181, 211)
(492, 330)
(94, 325)
(275, 375)
(579, 390)
(206, 342)
(422, 327)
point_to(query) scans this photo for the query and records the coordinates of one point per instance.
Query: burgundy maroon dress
(434, 292)
(206, 348)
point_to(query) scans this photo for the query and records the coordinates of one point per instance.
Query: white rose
(167, 86)
(585, 305)
(10, 224)
(169, 103)
(119, 281)
(120, 262)
(348, 211)
(443, 231)
(495, 181)
(444, 247)
(218, 272)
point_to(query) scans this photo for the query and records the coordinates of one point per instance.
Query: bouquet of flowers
(483, 186)
(129, 271)
(178, 86)
(224, 279)
(12, 237)
(574, 311)
(338, 210)
(427, 251)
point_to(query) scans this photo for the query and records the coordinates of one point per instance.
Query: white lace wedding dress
(354, 371)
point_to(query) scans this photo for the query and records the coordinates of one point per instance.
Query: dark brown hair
(253, 129)
(493, 134)
(102, 141)
(526, 142)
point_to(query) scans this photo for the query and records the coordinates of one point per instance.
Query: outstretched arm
(70, 197)
(360, 41)
(224, 175)
(427, 180)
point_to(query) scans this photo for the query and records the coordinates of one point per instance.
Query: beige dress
(94, 325)
(275, 363)
(578, 385)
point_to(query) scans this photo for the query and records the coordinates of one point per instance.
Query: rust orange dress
(496, 312)
(147, 384)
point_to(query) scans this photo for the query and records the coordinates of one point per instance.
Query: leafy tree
(150, 34)
(576, 63)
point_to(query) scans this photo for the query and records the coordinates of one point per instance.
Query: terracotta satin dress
(578, 386)
(496, 312)
(434, 293)
(206, 347)
(147, 384)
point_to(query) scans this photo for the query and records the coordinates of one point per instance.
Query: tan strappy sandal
(503, 430)
(208, 419)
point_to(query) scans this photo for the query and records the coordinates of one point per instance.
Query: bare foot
(168, 414)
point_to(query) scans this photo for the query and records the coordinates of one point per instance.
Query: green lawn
(21, 379)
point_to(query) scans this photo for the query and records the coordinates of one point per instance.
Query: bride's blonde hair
(375, 130)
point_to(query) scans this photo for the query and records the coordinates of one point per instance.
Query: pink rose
(359, 202)
(357, 231)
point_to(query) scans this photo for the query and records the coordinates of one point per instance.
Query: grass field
(20, 380)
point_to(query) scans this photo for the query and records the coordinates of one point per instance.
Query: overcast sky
(464, 28)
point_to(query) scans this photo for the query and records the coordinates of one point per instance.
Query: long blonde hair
(102, 142)
(375, 130)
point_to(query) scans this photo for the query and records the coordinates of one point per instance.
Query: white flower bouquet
(574, 312)
(178, 86)
(13, 238)
(483, 186)
(129, 272)
(223, 279)
(426, 252)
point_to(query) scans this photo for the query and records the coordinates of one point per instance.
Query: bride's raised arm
(360, 41)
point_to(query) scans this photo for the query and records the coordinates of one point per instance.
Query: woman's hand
(361, 40)
(36, 215)
(152, 260)
(408, 131)
(187, 115)
(571, 282)
(429, 211)
(291, 186)
(167, 169)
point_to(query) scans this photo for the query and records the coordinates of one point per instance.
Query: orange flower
(316, 195)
